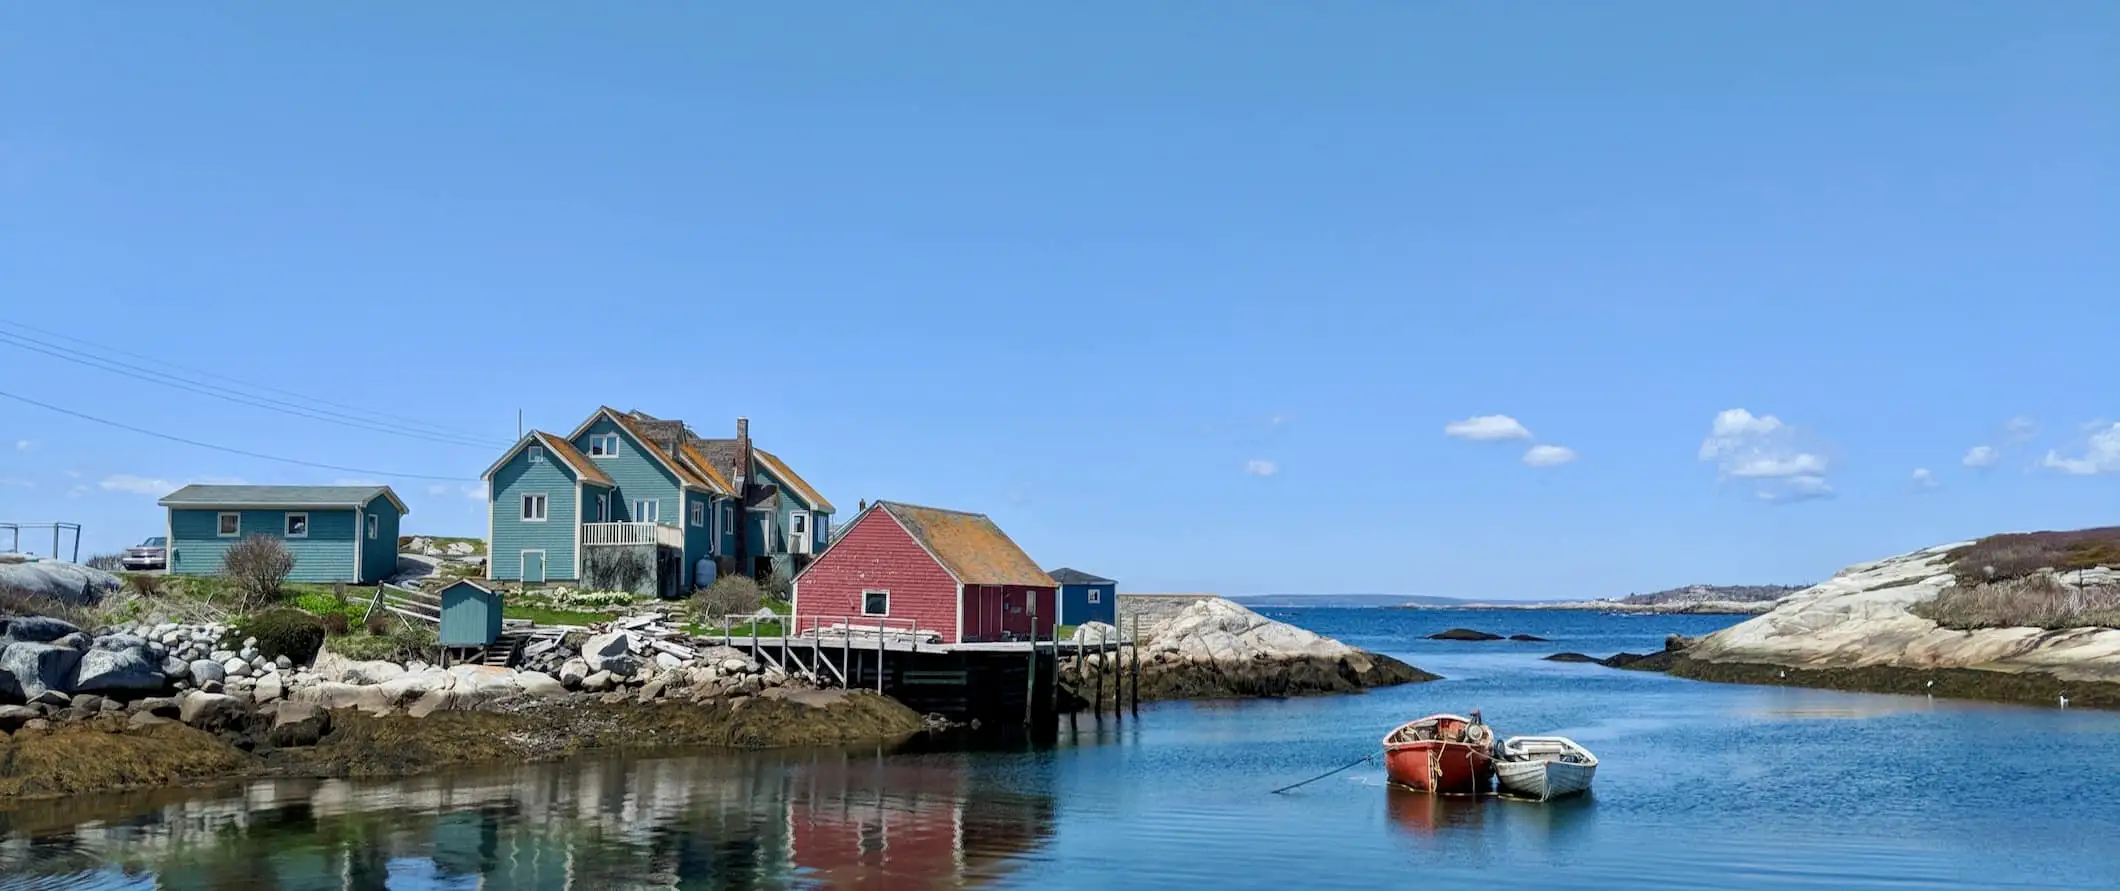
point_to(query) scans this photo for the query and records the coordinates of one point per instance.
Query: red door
(1014, 615)
(983, 613)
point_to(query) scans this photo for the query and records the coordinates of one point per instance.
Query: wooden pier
(988, 681)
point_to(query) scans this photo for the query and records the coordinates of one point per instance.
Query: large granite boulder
(59, 580)
(29, 670)
(212, 711)
(298, 724)
(611, 651)
(119, 664)
(34, 629)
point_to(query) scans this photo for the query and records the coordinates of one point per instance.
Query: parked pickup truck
(150, 554)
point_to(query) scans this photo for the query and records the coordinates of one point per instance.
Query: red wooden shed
(952, 572)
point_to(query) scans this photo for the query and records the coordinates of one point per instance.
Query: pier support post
(1030, 677)
(1134, 644)
(879, 655)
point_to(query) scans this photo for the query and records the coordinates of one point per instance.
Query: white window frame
(537, 454)
(603, 507)
(865, 592)
(642, 507)
(287, 524)
(804, 517)
(1096, 595)
(220, 530)
(375, 526)
(544, 507)
(603, 445)
(728, 517)
(699, 515)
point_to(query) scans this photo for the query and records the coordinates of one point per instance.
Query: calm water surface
(1703, 786)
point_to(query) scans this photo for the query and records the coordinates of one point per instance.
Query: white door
(798, 532)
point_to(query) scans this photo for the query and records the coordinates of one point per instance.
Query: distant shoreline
(1703, 608)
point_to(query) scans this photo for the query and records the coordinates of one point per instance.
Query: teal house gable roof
(203, 496)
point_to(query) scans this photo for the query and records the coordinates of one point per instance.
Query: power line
(219, 448)
(229, 395)
(305, 398)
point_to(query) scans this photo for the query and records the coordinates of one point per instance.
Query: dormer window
(537, 454)
(603, 445)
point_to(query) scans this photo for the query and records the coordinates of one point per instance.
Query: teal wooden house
(637, 503)
(336, 533)
(471, 615)
(1086, 598)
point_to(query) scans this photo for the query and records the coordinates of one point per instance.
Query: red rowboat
(1444, 754)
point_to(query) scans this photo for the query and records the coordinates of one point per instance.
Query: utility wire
(229, 395)
(305, 399)
(219, 448)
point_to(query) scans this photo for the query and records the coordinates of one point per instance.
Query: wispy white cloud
(136, 485)
(7, 482)
(1487, 428)
(1261, 467)
(475, 493)
(1981, 456)
(1769, 453)
(1548, 455)
(1923, 479)
(26, 445)
(2101, 454)
(2020, 428)
(73, 474)
(77, 491)
(438, 489)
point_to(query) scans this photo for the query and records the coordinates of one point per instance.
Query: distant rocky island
(1698, 599)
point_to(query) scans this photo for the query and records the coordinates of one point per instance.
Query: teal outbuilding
(336, 533)
(471, 615)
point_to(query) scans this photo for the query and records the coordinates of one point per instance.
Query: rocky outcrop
(58, 580)
(1212, 648)
(1463, 634)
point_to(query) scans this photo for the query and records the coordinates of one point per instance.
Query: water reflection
(832, 819)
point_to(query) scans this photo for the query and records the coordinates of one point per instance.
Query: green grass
(779, 606)
(765, 629)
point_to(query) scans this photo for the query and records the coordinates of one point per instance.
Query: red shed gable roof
(969, 545)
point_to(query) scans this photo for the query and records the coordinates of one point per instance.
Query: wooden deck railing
(632, 534)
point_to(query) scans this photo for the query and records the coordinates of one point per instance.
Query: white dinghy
(1544, 767)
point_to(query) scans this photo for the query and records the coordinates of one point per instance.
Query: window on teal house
(1096, 595)
(231, 525)
(534, 508)
(375, 526)
(297, 525)
(603, 445)
(537, 454)
(647, 510)
(699, 515)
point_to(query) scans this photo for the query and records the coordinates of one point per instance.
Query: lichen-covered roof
(1067, 576)
(200, 496)
(787, 475)
(705, 467)
(584, 469)
(969, 545)
(659, 439)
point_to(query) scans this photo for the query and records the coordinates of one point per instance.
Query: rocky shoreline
(1214, 648)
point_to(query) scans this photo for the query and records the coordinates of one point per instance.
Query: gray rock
(211, 711)
(207, 670)
(539, 684)
(78, 640)
(53, 698)
(283, 663)
(175, 668)
(90, 703)
(250, 643)
(653, 689)
(129, 669)
(611, 651)
(142, 720)
(235, 668)
(573, 672)
(112, 707)
(666, 661)
(162, 631)
(29, 669)
(221, 655)
(268, 688)
(210, 686)
(36, 725)
(598, 681)
(12, 717)
(158, 705)
(733, 665)
(59, 580)
(299, 724)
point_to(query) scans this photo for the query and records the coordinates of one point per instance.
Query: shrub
(335, 624)
(778, 586)
(380, 623)
(285, 632)
(616, 569)
(105, 562)
(2036, 601)
(258, 567)
(2016, 555)
(730, 595)
(143, 585)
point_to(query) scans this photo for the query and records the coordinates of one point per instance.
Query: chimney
(742, 481)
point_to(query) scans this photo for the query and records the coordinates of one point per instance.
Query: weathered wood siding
(878, 553)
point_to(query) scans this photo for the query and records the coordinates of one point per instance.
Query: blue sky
(1185, 294)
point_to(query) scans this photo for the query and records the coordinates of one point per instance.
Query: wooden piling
(1135, 646)
(846, 651)
(1030, 677)
(879, 655)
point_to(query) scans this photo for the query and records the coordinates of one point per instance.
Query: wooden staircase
(506, 650)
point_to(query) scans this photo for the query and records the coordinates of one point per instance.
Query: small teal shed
(471, 615)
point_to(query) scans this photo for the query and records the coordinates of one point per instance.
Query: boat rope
(1328, 773)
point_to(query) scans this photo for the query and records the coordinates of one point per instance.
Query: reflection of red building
(914, 824)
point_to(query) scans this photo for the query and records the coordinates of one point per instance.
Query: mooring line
(1325, 774)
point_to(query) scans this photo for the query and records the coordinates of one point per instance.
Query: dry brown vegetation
(2015, 555)
(2036, 601)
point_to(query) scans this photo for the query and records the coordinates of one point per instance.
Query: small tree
(777, 586)
(257, 568)
(730, 595)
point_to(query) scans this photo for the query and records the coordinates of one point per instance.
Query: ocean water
(1702, 786)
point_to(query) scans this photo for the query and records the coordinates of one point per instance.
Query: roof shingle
(969, 545)
(279, 496)
(1067, 576)
(584, 469)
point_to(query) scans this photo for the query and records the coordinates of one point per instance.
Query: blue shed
(336, 533)
(1086, 598)
(471, 615)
